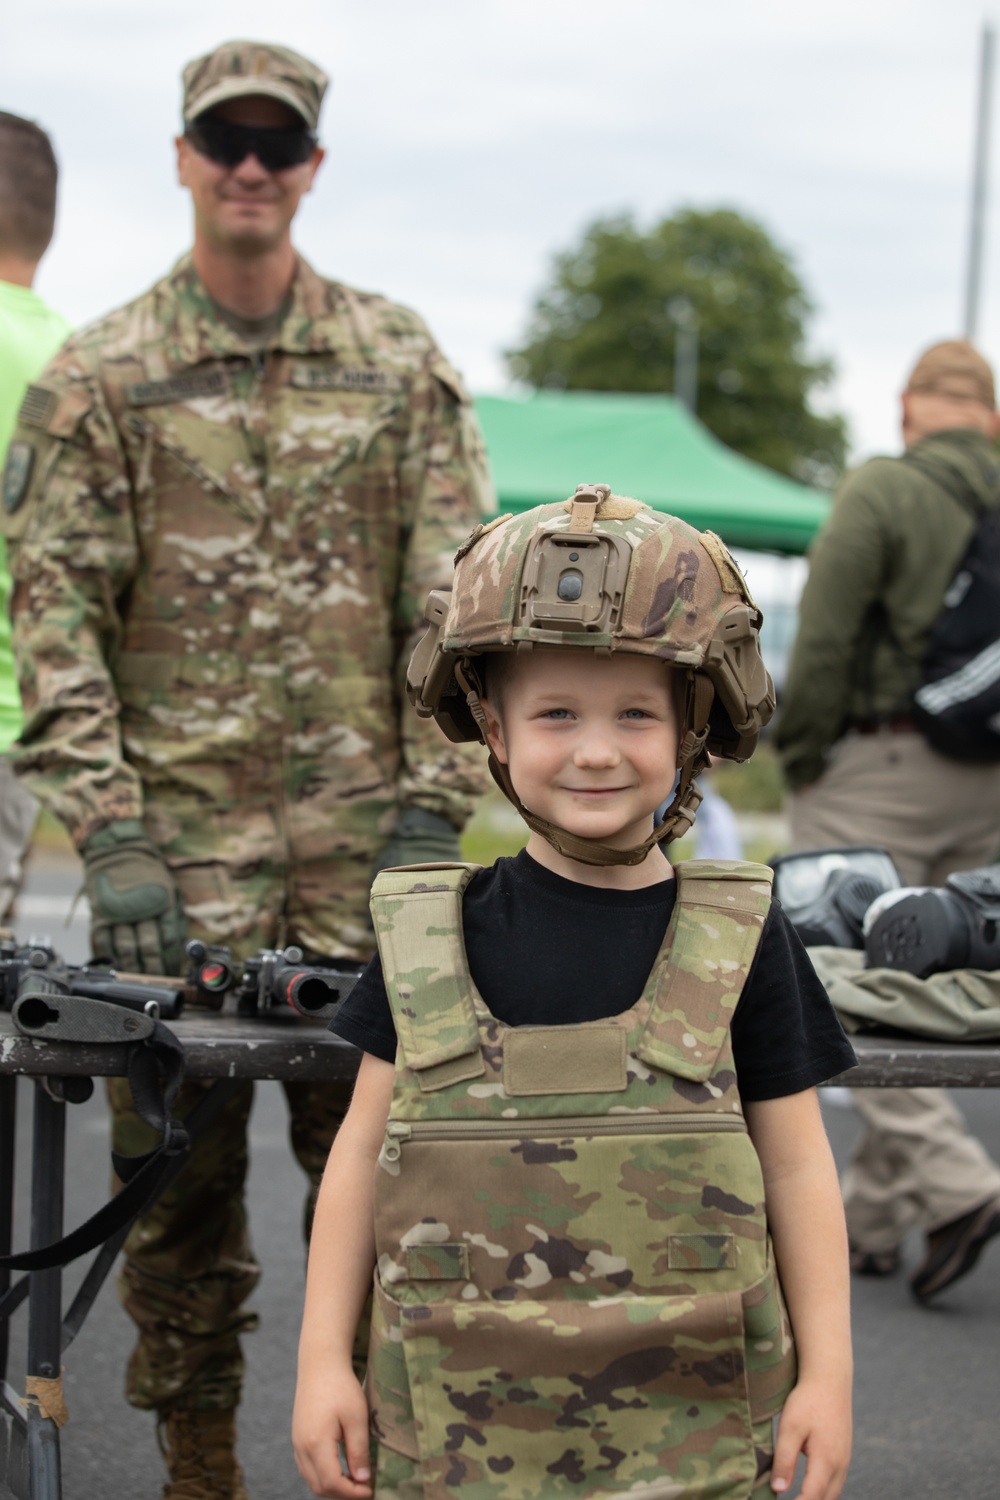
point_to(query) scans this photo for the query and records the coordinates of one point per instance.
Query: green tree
(605, 324)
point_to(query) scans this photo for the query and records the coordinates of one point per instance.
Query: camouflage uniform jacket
(221, 553)
(575, 1292)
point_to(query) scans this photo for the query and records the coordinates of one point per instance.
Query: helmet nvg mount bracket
(607, 574)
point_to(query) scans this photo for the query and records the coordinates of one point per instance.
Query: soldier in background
(860, 772)
(30, 333)
(241, 488)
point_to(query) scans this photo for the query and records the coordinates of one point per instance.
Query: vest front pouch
(387, 1383)
(589, 1393)
(770, 1349)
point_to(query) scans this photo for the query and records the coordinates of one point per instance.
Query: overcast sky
(470, 140)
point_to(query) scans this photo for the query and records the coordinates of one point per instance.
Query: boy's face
(590, 742)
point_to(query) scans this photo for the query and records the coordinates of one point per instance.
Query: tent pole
(685, 321)
(979, 175)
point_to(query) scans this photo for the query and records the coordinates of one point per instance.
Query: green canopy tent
(544, 445)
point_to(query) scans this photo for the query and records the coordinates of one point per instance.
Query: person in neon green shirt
(30, 333)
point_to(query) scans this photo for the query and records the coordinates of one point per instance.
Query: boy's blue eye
(635, 713)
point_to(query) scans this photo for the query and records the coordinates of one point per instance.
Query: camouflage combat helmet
(601, 573)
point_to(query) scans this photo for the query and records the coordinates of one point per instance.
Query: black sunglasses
(229, 144)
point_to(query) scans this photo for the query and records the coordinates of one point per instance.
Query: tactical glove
(137, 919)
(420, 838)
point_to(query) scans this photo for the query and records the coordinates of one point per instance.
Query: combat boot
(200, 1452)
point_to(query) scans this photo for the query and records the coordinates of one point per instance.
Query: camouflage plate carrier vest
(574, 1294)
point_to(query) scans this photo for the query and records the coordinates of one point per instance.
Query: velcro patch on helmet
(613, 507)
(478, 532)
(726, 565)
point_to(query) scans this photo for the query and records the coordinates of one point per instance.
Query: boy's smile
(590, 742)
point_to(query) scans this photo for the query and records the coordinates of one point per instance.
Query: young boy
(583, 1078)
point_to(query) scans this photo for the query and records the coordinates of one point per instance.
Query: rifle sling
(155, 1074)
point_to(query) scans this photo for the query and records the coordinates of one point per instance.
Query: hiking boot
(953, 1249)
(874, 1262)
(200, 1452)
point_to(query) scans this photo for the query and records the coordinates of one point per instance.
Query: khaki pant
(18, 811)
(916, 1162)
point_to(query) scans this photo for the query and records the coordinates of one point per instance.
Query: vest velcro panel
(720, 909)
(417, 914)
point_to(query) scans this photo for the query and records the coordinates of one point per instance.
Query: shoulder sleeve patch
(17, 475)
(38, 406)
(56, 412)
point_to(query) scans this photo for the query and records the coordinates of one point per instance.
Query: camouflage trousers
(189, 1265)
(18, 812)
(398, 1477)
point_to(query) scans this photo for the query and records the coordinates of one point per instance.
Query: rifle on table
(271, 979)
(93, 1003)
(54, 1001)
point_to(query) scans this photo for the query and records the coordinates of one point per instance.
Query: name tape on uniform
(316, 377)
(177, 388)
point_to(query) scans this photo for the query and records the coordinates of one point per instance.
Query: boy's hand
(331, 1411)
(816, 1422)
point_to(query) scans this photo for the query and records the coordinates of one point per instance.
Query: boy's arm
(330, 1407)
(806, 1218)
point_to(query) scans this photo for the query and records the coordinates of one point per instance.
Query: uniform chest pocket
(187, 459)
(329, 419)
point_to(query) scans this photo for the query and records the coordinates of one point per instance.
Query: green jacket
(574, 1275)
(878, 575)
(30, 333)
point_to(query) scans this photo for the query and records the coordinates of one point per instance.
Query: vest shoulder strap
(417, 914)
(703, 963)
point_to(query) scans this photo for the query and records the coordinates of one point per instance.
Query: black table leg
(8, 1127)
(45, 1297)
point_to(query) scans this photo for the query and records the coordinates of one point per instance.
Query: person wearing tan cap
(232, 498)
(861, 772)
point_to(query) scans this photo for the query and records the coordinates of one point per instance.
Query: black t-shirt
(547, 951)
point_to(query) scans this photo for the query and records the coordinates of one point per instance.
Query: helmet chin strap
(692, 758)
(677, 820)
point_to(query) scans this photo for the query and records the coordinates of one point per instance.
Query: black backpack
(957, 705)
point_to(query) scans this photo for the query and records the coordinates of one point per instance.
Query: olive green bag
(961, 1005)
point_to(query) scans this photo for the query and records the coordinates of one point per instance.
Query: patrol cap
(954, 368)
(237, 69)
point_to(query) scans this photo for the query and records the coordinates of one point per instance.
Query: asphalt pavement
(928, 1380)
